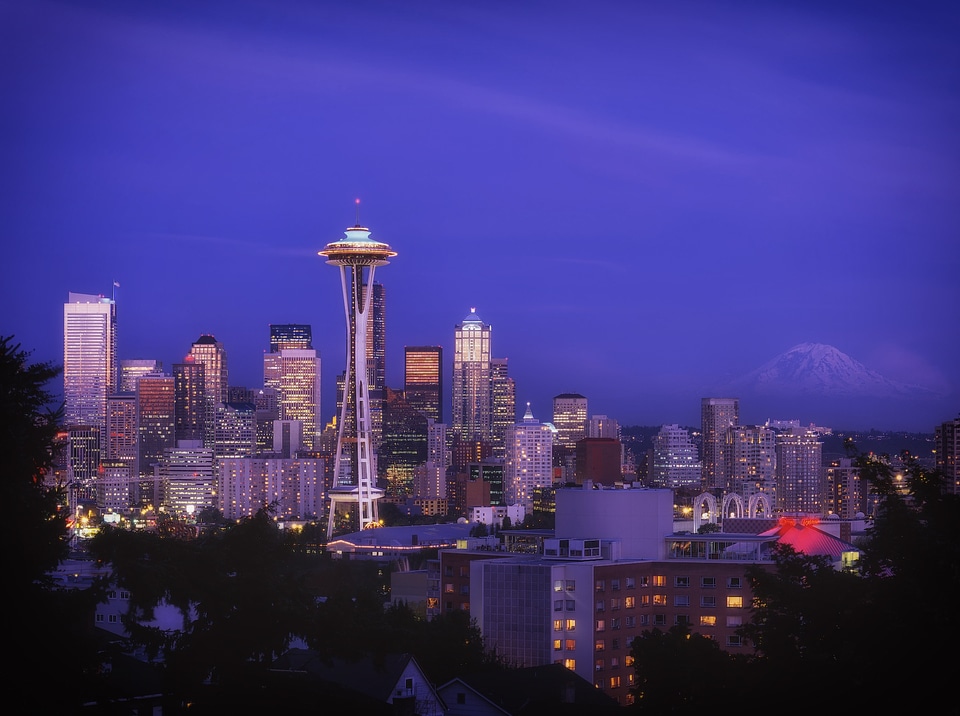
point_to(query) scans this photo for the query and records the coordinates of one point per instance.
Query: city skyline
(645, 202)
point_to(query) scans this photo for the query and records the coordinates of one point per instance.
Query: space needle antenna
(358, 211)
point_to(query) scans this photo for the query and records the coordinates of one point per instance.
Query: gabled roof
(807, 538)
(551, 688)
(374, 677)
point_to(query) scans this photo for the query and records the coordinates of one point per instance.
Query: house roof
(805, 537)
(551, 688)
(375, 677)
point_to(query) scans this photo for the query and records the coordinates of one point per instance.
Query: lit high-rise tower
(570, 419)
(209, 351)
(716, 415)
(358, 256)
(89, 359)
(423, 380)
(292, 370)
(472, 390)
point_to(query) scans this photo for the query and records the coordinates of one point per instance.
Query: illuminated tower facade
(209, 351)
(89, 359)
(947, 441)
(503, 393)
(529, 461)
(357, 256)
(472, 391)
(190, 406)
(799, 472)
(156, 431)
(292, 371)
(131, 369)
(716, 415)
(423, 380)
(570, 419)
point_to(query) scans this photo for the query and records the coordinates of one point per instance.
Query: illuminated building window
(628, 699)
(644, 600)
(659, 581)
(628, 660)
(570, 645)
(558, 624)
(571, 585)
(614, 682)
(570, 664)
(735, 602)
(598, 665)
(601, 625)
(659, 599)
(448, 588)
(708, 620)
(557, 644)
(629, 602)
(600, 645)
(571, 624)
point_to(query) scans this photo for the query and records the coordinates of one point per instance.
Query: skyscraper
(529, 461)
(132, 368)
(292, 371)
(357, 256)
(209, 351)
(89, 359)
(570, 419)
(716, 415)
(947, 441)
(799, 471)
(751, 459)
(675, 459)
(190, 404)
(472, 394)
(423, 380)
(503, 414)
(156, 431)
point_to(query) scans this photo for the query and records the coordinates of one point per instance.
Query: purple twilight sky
(645, 199)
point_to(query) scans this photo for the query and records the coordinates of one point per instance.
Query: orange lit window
(735, 602)
(659, 581)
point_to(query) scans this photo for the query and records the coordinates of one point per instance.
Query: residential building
(799, 472)
(947, 458)
(751, 459)
(186, 477)
(716, 415)
(675, 459)
(529, 460)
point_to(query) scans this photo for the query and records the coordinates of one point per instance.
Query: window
(99, 617)
(659, 581)
(628, 700)
(571, 585)
(614, 662)
(558, 585)
(601, 625)
(644, 581)
(659, 620)
(600, 605)
(571, 624)
(571, 605)
(644, 600)
(598, 665)
(710, 601)
(681, 600)
(448, 588)
(112, 594)
(734, 640)
(631, 622)
(112, 619)
(629, 602)
(631, 583)
(734, 583)
(570, 664)
(570, 645)
(614, 605)
(681, 581)
(614, 682)
(558, 624)
(615, 584)
(465, 606)
(124, 594)
(408, 684)
(557, 644)
(614, 623)
(681, 619)
(558, 605)
(644, 619)
(735, 602)
(660, 599)
(734, 621)
(708, 582)
(628, 660)
(461, 698)
(601, 585)
(464, 589)
(616, 644)
(708, 621)
(448, 571)
(600, 645)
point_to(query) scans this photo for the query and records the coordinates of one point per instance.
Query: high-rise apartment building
(529, 460)
(89, 359)
(190, 403)
(132, 368)
(210, 352)
(947, 459)
(846, 491)
(472, 391)
(799, 472)
(751, 459)
(600, 426)
(675, 460)
(121, 441)
(503, 415)
(294, 376)
(716, 415)
(187, 481)
(236, 430)
(423, 380)
(156, 431)
(570, 419)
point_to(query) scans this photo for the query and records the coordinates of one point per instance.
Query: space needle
(354, 476)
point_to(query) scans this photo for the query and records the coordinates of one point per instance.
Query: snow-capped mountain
(815, 369)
